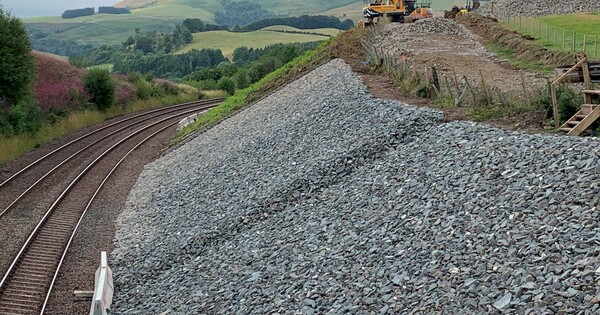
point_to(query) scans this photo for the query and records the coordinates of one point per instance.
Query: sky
(31, 8)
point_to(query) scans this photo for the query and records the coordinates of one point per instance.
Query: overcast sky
(29, 8)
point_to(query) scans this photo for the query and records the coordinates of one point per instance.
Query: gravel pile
(436, 25)
(323, 200)
(508, 8)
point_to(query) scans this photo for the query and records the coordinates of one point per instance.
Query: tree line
(75, 13)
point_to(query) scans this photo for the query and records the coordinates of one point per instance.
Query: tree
(227, 85)
(101, 87)
(17, 64)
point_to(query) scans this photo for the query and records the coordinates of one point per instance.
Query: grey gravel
(323, 200)
(509, 8)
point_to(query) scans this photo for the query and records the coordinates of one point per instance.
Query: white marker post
(103, 291)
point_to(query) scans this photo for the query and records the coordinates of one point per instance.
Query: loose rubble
(323, 200)
(509, 8)
(436, 25)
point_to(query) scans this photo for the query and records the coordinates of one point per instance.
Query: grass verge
(513, 60)
(17, 145)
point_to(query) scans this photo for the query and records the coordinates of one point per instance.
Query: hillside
(162, 15)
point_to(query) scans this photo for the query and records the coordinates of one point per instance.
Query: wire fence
(556, 37)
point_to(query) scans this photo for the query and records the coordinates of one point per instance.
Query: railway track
(27, 284)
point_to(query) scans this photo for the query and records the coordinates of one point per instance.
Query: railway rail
(28, 282)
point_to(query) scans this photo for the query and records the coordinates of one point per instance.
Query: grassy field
(229, 41)
(285, 28)
(584, 23)
(563, 32)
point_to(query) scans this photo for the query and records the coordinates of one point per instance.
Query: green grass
(563, 32)
(535, 66)
(240, 98)
(229, 41)
(15, 146)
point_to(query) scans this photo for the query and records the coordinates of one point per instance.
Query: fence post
(548, 32)
(564, 39)
(574, 41)
(554, 37)
(520, 22)
(584, 42)
(596, 47)
(541, 35)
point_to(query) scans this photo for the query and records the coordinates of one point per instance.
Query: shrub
(101, 87)
(25, 116)
(59, 84)
(227, 85)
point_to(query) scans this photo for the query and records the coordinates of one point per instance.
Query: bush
(100, 85)
(25, 117)
(227, 85)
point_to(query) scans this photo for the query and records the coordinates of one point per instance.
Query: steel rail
(100, 129)
(89, 205)
(83, 149)
(51, 210)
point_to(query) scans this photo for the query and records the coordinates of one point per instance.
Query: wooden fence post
(564, 39)
(485, 89)
(555, 107)
(584, 42)
(596, 47)
(554, 37)
(574, 41)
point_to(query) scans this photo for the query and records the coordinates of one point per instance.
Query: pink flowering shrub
(59, 84)
(125, 92)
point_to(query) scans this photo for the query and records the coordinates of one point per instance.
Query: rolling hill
(163, 15)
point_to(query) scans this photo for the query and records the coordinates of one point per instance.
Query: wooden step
(596, 92)
(577, 124)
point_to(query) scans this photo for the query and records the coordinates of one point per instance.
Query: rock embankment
(323, 200)
(509, 8)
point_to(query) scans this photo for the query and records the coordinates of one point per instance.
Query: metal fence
(555, 37)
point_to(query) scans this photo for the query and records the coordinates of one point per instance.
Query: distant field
(326, 31)
(229, 41)
(101, 28)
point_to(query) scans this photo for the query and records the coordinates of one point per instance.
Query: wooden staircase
(586, 116)
(589, 112)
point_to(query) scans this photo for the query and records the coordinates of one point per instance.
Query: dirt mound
(507, 8)
(524, 47)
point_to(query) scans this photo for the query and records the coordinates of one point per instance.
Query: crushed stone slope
(508, 8)
(322, 200)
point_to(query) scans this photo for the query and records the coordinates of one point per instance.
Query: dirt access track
(453, 50)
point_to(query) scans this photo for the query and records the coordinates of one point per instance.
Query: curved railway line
(26, 286)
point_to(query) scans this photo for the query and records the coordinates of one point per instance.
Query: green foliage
(70, 14)
(241, 13)
(227, 84)
(194, 25)
(17, 65)
(101, 87)
(262, 67)
(302, 22)
(23, 117)
(241, 79)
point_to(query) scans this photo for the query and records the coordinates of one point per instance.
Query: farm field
(566, 32)
(285, 28)
(229, 41)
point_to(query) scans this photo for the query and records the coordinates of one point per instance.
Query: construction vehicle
(456, 11)
(402, 11)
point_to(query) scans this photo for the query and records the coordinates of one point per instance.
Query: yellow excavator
(402, 11)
